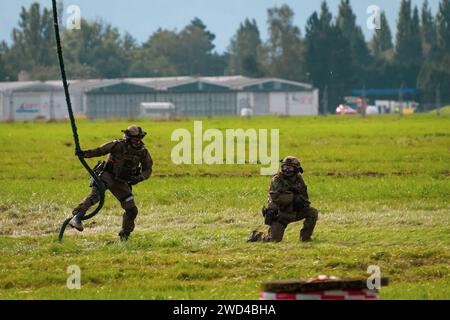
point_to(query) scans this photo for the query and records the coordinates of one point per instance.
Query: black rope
(98, 182)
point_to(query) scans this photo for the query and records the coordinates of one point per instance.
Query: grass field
(382, 186)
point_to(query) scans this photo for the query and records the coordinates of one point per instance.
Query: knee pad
(127, 202)
(132, 213)
(283, 221)
(316, 214)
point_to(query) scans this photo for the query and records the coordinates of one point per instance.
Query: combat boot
(123, 235)
(76, 222)
(128, 223)
(255, 236)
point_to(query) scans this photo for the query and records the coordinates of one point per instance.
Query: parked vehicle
(371, 110)
(157, 109)
(246, 112)
(343, 109)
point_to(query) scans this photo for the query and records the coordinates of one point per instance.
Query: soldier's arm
(305, 192)
(147, 166)
(303, 189)
(101, 151)
(280, 197)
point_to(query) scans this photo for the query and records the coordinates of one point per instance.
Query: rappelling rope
(99, 184)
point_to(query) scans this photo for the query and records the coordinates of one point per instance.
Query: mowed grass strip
(381, 185)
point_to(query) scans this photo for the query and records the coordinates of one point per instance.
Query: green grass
(381, 184)
(443, 111)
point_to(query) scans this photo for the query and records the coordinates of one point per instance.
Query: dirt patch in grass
(355, 174)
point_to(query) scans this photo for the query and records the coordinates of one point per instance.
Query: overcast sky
(142, 17)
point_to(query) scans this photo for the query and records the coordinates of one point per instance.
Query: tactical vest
(287, 185)
(299, 200)
(125, 161)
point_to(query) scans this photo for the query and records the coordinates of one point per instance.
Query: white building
(190, 96)
(22, 101)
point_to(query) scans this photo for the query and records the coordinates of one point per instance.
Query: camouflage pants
(122, 191)
(277, 228)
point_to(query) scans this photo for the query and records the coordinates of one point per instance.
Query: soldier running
(128, 164)
(288, 202)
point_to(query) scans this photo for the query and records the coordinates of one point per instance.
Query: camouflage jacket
(284, 190)
(123, 155)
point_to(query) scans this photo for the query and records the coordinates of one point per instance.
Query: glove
(300, 203)
(269, 216)
(80, 153)
(135, 180)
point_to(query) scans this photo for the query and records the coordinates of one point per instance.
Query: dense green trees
(328, 58)
(333, 53)
(443, 28)
(434, 76)
(381, 43)
(96, 49)
(168, 53)
(346, 23)
(244, 49)
(30, 49)
(6, 72)
(408, 50)
(282, 54)
(428, 30)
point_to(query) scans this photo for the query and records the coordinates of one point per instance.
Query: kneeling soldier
(288, 202)
(129, 163)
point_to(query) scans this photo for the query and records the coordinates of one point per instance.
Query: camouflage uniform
(123, 165)
(288, 202)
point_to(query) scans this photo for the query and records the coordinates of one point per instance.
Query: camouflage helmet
(134, 132)
(293, 162)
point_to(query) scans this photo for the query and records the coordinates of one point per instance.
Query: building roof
(225, 83)
(29, 86)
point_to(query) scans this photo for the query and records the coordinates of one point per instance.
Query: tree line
(332, 54)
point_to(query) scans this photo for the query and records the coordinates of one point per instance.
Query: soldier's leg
(88, 202)
(128, 218)
(83, 207)
(310, 215)
(276, 231)
(122, 192)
